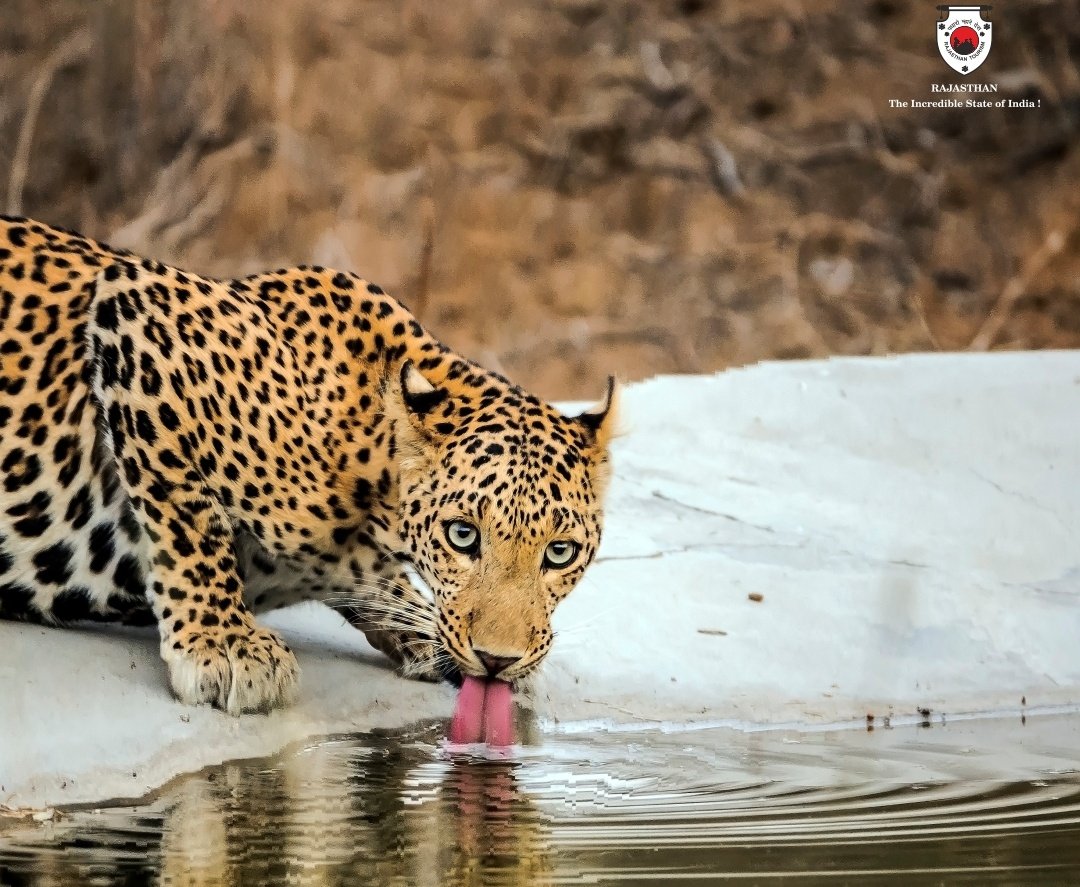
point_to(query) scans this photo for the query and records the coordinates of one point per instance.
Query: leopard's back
(66, 532)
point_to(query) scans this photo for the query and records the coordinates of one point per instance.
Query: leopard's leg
(214, 649)
(398, 621)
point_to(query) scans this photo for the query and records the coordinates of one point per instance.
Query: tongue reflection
(484, 713)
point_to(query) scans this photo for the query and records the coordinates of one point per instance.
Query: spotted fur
(185, 451)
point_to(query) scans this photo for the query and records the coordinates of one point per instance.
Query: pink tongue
(468, 722)
(484, 712)
(499, 714)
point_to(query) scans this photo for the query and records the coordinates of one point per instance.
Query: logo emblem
(964, 36)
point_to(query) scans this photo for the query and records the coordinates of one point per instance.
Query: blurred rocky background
(567, 188)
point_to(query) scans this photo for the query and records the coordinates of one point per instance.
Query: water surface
(971, 802)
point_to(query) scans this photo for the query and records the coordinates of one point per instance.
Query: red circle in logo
(964, 40)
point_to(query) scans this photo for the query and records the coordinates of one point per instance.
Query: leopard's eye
(560, 554)
(463, 536)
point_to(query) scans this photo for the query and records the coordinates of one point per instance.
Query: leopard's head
(501, 507)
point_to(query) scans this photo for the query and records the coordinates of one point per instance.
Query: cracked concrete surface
(909, 524)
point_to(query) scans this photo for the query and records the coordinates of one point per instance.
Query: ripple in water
(972, 802)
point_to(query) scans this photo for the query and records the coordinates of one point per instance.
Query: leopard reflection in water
(349, 811)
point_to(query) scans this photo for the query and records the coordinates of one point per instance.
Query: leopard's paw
(246, 669)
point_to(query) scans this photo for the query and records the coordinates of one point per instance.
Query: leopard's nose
(495, 664)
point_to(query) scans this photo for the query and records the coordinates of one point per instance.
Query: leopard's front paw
(245, 669)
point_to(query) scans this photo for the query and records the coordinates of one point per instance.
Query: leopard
(187, 452)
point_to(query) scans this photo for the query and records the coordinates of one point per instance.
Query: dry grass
(571, 188)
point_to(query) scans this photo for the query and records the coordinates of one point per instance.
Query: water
(972, 802)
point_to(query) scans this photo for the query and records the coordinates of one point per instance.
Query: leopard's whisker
(360, 600)
(389, 625)
(367, 614)
(380, 588)
(391, 620)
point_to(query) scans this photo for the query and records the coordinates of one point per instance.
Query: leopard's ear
(409, 401)
(602, 419)
(418, 394)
